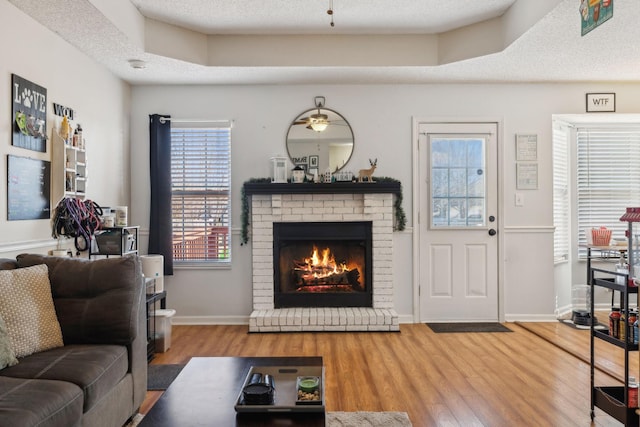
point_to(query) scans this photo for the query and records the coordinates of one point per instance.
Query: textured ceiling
(546, 48)
(310, 16)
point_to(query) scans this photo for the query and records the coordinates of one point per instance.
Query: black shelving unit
(152, 298)
(612, 399)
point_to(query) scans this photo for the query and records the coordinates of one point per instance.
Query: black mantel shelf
(322, 188)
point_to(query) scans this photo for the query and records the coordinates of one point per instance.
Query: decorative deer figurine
(367, 172)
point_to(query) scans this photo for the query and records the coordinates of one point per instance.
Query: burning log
(320, 276)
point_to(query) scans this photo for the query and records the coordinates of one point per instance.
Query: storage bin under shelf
(611, 400)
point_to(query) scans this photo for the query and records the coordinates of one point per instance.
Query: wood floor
(520, 378)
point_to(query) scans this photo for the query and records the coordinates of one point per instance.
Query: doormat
(159, 377)
(569, 322)
(467, 327)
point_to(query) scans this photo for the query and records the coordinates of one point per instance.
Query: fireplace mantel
(255, 188)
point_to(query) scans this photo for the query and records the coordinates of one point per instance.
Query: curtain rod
(163, 120)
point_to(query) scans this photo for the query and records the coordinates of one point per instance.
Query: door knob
(492, 232)
(492, 218)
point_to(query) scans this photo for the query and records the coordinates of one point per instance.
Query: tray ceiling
(373, 41)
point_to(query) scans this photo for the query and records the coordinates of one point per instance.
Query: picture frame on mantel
(313, 161)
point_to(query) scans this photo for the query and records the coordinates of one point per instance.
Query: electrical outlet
(519, 199)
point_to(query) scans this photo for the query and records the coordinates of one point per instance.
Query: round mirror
(319, 139)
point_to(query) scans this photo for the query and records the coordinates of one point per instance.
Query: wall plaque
(29, 115)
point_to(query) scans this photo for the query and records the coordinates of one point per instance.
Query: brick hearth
(299, 207)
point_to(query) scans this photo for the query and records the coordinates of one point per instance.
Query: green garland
(400, 223)
(401, 217)
(244, 216)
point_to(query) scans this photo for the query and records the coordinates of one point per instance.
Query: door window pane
(458, 186)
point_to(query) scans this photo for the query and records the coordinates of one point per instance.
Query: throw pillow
(26, 305)
(7, 355)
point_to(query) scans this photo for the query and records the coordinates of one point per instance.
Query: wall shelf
(69, 170)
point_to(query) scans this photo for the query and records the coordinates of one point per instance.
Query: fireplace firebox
(322, 264)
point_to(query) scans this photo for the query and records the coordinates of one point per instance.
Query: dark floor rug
(159, 377)
(467, 327)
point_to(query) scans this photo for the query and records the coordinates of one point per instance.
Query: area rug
(368, 419)
(346, 419)
(159, 377)
(467, 327)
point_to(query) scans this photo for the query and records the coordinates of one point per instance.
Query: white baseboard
(402, 319)
(210, 320)
(530, 318)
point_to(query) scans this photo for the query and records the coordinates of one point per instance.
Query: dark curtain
(160, 229)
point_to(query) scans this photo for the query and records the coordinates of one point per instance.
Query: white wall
(381, 117)
(100, 100)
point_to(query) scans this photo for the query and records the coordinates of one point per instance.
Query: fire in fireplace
(319, 273)
(322, 264)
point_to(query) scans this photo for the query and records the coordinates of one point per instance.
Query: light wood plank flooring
(470, 379)
(609, 359)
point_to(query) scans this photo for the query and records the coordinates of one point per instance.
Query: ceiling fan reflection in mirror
(318, 121)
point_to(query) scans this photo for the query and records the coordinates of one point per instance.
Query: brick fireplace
(370, 203)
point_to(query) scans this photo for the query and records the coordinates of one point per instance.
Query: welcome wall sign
(29, 115)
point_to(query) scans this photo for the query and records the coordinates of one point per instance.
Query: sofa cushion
(8, 264)
(42, 403)
(96, 369)
(7, 355)
(97, 301)
(27, 308)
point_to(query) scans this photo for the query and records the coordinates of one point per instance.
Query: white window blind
(561, 200)
(608, 177)
(200, 193)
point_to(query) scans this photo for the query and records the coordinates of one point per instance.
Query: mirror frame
(322, 110)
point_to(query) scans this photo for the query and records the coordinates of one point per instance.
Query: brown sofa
(99, 377)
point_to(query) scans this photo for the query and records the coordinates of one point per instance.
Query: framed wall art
(527, 176)
(526, 147)
(29, 119)
(601, 102)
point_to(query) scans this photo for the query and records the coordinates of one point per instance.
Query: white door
(458, 268)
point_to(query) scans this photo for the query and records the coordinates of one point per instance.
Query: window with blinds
(561, 200)
(200, 193)
(608, 177)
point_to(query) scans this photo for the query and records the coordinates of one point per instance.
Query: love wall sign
(29, 115)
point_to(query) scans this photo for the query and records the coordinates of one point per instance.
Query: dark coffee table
(205, 392)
